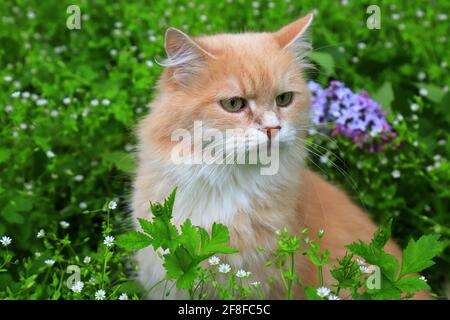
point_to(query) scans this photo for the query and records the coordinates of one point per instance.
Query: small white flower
(396, 16)
(66, 100)
(15, 94)
(421, 75)
(49, 262)
(5, 241)
(364, 269)
(419, 13)
(242, 274)
(442, 17)
(333, 297)
(25, 94)
(50, 154)
(423, 278)
(9, 108)
(149, 63)
(41, 102)
(203, 17)
(361, 46)
(415, 117)
(441, 142)
(40, 234)
(77, 287)
(106, 102)
(37, 254)
(444, 64)
(355, 59)
(54, 113)
(324, 158)
(423, 91)
(255, 284)
(109, 241)
(414, 107)
(401, 26)
(112, 205)
(23, 126)
(64, 224)
(7, 78)
(94, 102)
(214, 261)
(92, 281)
(388, 45)
(123, 296)
(224, 268)
(323, 292)
(384, 161)
(113, 52)
(100, 294)
(344, 2)
(83, 205)
(87, 259)
(78, 178)
(118, 24)
(396, 174)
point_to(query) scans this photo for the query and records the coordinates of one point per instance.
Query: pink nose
(270, 131)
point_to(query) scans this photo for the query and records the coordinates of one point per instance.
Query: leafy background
(107, 70)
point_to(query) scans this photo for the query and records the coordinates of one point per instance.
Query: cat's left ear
(295, 36)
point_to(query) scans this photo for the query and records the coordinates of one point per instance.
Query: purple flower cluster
(354, 115)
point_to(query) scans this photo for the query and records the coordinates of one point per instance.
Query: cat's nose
(271, 131)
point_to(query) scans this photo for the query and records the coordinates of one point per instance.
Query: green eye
(233, 104)
(284, 99)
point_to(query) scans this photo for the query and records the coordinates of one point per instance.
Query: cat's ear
(295, 36)
(184, 55)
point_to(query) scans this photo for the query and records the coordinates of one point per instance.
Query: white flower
(355, 59)
(5, 241)
(49, 262)
(87, 259)
(123, 296)
(78, 177)
(149, 63)
(333, 297)
(344, 2)
(100, 294)
(415, 117)
(66, 100)
(23, 126)
(83, 205)
(323, 292)
(113, 52)
(441, 142)
(9, 108)
(364, 269)
(419, 13)
(203, 17)
(442, 17)
(361, 45)
(106, 102)
(324, 158)
(94, 102)
(41, 102)
(25, 94)
(54, 113)
(255, 284)
(15, 94)
(112, 205)
(64, 224)
(224, 268)
(423, 278)
(50, 154)
(444, 64)
(396, 174)
(7, 78)
(118, 24)
(421, 75)
(396, 16)
(37, 254)
(40, 234)
(414, 107)
(77, 287)
(423, 91)
(242, 274)
(109, 241)
(214, 261)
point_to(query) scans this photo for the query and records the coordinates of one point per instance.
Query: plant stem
(320, 276)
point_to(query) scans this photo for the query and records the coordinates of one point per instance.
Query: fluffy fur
(257, 66)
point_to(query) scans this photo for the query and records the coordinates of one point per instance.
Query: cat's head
(248, 81)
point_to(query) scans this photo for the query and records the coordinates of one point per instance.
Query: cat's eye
(233, 104)
(284, 99)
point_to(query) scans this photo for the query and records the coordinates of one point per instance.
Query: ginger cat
(252, 81)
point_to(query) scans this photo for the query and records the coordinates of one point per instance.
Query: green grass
(62, 162)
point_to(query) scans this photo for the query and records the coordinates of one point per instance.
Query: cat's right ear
(185, 56)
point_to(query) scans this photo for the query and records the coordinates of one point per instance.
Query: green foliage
(60, 161)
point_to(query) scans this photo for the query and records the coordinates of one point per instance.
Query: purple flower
(353, 115)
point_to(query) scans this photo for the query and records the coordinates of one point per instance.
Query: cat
(253, 81)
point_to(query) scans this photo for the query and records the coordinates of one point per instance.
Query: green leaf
(388, 263)
(4, 155)
(325, 60)
(190, 237)
(180, 265)
(418, 254)
(412, 284)
(435, 93)
(219, 241)
(385, 96)
(121, 160)
(382, 235)
(311, 294)
(133, 240)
